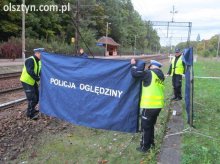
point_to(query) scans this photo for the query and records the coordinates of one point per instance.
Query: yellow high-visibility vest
(179, 69)
(153, 95)
(25, 77)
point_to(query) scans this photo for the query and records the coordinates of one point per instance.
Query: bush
(54, 46)
(205, 53)
(11, 49)
(96, 50)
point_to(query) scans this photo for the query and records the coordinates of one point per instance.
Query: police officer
(177, 70)
(152, 100)
(29, 78)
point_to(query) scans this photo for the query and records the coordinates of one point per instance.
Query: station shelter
(112, 46)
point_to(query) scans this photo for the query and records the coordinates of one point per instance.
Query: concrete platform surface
(170, 152)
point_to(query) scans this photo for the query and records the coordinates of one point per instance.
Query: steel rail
(11, 103)
(10, 90)
(141, 57)
(9, 75)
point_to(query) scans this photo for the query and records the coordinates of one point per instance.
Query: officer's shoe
(152, 145)
(173, 98)
(178, 99)
(34, 116)
(142, 149)
(36, 112)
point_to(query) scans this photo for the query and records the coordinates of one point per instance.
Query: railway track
(9, 82)
(11, 97)
(143, 57)
(158, 58)
(10, 90)
(10, 75)
(12, 103)
(146, 58)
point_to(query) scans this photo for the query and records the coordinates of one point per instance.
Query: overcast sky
(204, 15)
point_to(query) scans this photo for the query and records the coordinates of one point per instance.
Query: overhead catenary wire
(78, 31)
(82, 39)
(181, 31)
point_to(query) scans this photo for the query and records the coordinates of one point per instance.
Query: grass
(88, 146)
(84, 145)
(203, 145)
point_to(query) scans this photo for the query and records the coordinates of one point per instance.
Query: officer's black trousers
(177, 85)
(148, 120)
(32, 95)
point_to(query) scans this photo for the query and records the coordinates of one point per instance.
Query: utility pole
(173, 12)
(197, 41)
(23, 30)
(106, 44)
(77, 27)
(135, 37)
(218, 45)
(171, 43)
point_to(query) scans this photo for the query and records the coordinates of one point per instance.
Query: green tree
(10, 21)
(126, 23)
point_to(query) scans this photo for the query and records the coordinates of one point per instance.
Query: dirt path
(170, 150)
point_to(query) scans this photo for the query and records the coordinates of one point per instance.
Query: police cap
(156, 63)
(177, 50)
(38, 50)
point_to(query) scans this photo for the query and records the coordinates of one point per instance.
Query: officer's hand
(183, 75)
(133, 61)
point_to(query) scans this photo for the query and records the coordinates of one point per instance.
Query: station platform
(10, 66)
(10, 62)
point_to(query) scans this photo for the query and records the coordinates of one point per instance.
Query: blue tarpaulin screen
(97, 93)
(188, 60)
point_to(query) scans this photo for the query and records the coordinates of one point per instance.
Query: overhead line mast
(173, 12)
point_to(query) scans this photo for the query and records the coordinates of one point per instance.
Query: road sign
(99, 44)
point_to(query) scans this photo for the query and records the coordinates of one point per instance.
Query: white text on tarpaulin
(86, 87)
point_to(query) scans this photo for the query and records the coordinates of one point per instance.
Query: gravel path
(170, 150)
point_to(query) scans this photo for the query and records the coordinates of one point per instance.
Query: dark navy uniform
(29, 78)
(152, 100)
(176, 70)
